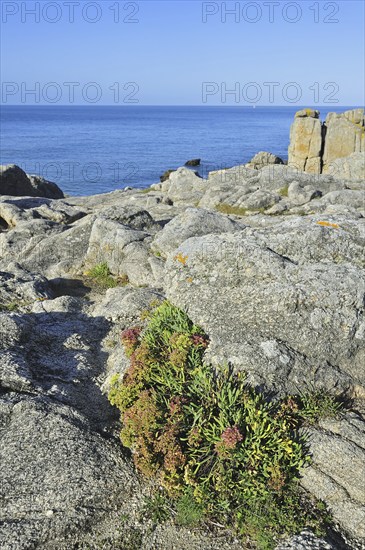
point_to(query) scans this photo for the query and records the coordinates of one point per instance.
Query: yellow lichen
(181, 258)
(329, 224)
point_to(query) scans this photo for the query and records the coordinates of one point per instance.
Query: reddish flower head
(229, 439)
(199, 341)
(130, 338)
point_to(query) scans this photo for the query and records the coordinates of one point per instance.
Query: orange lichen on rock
(181, 258)
(329, 224)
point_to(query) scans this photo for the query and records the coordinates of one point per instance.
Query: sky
(183, 52)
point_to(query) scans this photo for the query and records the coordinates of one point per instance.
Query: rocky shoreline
(267, 258)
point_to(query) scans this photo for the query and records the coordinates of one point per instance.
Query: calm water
(88, 150)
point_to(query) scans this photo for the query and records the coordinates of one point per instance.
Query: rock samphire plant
(204, 433)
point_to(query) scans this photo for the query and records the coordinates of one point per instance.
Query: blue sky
(279, 53)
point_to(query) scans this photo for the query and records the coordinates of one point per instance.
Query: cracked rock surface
(268, 261)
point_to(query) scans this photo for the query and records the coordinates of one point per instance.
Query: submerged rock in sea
(193, 162)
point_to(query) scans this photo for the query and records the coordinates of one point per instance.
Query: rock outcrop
(278, 303)
(344, 135)
(335, 147)
(305, 147)
(262, 159)
(269, 261)
(15, 182)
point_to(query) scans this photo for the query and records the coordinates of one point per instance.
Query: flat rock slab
(289, 322)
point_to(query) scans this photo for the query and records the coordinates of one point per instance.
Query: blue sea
(96, 149)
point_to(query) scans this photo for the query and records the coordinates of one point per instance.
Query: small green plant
(216, 446)
(189, 512)
(101, 276)
(156, 508)
(124, 518)
(283, 192)
(146, 190)
(318, 405)
(10, 306)
(15, 305)
(225, 208)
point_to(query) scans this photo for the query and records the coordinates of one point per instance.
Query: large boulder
(14, 210)
(231, 186)
(184, 186)
(290, 316)
(306, 142)
(61, 251)
(56, 474)
(274, 188)
(15, 182)
(126, 251)
(299, 193)
(329, 147)
(285, 304)
(344, 135)
(193, 222)
(263, 159)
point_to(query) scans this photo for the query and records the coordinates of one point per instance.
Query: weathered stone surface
(59, 254)
(263, 159)
(306, 142)
(304, 113)
(59, 468)
(344, 135)
(192, 223)
(353, 198)
(328, 148)
(52, 483)
(122, 248)
(288, 323)
(260, 199)
(14, 181)
(183, 185)
(305, 240)
(231, 186)
(165, 176)
(244, 188)
(23, 240)
(59, 211)
(132, 216)
(306, 540)
(301, 194)
(20, 288)
(337, 474)
(347, 168)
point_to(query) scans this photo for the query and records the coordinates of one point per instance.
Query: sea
(96, 149)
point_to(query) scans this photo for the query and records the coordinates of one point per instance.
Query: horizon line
(172, 105)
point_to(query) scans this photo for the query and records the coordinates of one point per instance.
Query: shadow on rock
(57, 355)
